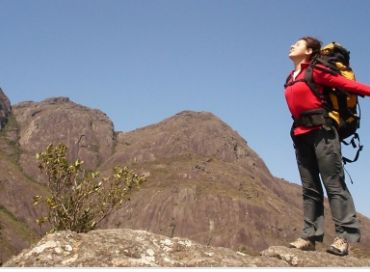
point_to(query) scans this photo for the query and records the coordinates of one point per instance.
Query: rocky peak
(5, 109)
(137, 248)
(57, 100)
(88, 133)
(184, 134)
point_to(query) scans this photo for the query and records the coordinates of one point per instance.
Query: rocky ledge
(137, 248)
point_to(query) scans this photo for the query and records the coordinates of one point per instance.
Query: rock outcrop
(136, 248)
(5, 109)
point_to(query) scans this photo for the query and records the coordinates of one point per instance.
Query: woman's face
(299, 50)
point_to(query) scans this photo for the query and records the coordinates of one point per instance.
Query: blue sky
(141, 61)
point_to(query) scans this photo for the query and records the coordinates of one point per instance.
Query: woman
(318, 153)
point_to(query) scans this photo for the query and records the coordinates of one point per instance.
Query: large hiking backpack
(341, 107)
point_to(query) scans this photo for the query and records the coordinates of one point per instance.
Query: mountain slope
(17, 226)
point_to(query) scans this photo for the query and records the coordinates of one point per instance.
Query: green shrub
(80, 199)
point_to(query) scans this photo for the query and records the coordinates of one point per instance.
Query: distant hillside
(203, 180)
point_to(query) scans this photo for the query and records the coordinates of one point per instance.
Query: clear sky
(141, 61)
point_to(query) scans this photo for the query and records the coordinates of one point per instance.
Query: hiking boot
(339, 247)
(303, 244)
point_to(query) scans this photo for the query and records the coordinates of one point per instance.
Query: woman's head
(304, 49)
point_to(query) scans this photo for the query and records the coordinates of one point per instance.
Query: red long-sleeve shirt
(301, 98)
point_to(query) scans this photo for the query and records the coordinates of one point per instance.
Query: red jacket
(301, 98)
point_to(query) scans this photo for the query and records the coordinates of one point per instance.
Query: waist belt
(313, 118)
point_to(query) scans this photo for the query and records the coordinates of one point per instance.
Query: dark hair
(312, 43)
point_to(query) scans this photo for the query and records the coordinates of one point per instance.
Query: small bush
(80, 198)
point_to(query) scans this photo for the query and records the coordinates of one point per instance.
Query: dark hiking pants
(319, 154)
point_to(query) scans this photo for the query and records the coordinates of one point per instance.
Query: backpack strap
(308, 77)
(322, 65)
(289, 82)
(354, 145)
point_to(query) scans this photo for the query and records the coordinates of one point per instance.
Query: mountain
(203, 180)
(205, 184)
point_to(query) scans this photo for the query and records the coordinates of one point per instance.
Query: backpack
(341, 107)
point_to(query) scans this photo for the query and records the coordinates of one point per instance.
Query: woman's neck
(298, 64)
